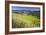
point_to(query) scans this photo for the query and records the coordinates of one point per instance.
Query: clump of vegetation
(25, 21)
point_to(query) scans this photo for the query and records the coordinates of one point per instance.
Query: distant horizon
(26, 8)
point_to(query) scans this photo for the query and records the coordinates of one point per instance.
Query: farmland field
(24, 20)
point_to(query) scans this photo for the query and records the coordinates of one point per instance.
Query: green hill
(25, 21)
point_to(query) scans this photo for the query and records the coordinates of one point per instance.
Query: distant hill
(28, 12)
(23, 11)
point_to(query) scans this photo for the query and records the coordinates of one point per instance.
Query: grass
(24, 21)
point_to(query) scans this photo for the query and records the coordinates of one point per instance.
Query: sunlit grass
(24, 20)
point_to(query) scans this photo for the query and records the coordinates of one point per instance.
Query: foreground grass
(25, 21)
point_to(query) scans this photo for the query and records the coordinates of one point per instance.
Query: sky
(25, 8)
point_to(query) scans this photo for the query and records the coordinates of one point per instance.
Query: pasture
(24, 21)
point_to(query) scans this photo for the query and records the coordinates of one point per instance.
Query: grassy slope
(29, 20)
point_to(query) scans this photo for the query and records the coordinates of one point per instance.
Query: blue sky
(25, 8)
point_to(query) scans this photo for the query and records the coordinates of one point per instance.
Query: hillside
(24, 20)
